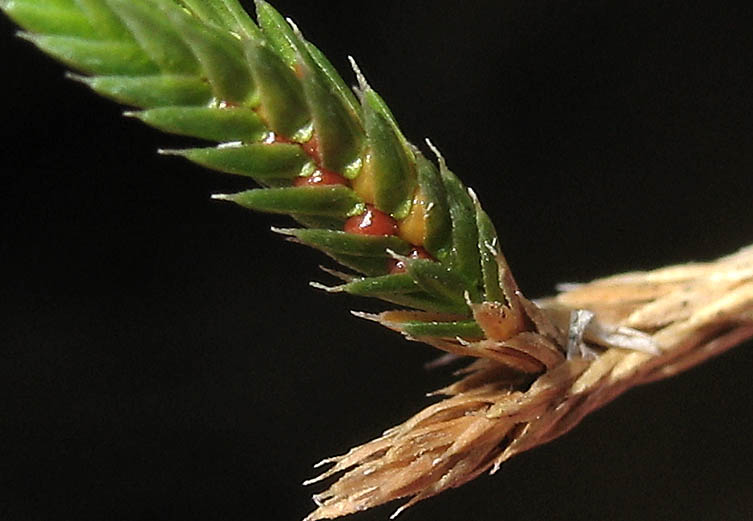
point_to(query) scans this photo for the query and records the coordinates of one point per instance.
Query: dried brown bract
(577, 351)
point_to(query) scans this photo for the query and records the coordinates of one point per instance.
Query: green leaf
(49, 19)
(425, 302)
(281, 96)
(336, 241)
(438, 280)
(464, 258)
(371, 266)
(237, 19)
(225, 124)
(206, 11)
(339, 136)
(152, 91)
(157, 36)
(320, 223)
(438, 239)
(95, 57)
(467, 329)
(338, 131)
(260, 161)
(384, 285)
(203, 68)
(57, 4)
(335, 201)
(278, 33)
(390, 161)
(221, 56)
(487, 246)
(105, 22)
(334, 80)
(228, 14)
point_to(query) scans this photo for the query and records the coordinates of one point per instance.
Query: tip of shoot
(222, 197)
(293, 26)
(435, 150)
(362, 83)
(399, 511)
(312, 481)
(171, 152)
(323, 462)
(368, 316)
(283, 231)
(77, 77)
(328, 289)
(24, 35)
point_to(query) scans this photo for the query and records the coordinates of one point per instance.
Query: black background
(162, 357)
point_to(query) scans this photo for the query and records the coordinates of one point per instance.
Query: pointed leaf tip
(362, 83)
(437, 154)
(75, 77)
(171, 152)
(328, 289)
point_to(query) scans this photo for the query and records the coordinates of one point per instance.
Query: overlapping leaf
(282, 116)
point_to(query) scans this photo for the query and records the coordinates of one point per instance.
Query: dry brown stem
(690, 312)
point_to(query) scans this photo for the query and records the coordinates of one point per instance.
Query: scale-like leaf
(281, 115)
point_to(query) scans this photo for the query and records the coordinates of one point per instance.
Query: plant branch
(692, 312)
